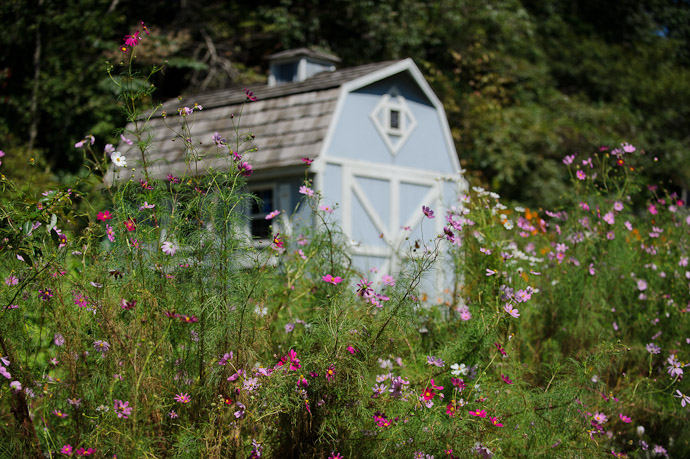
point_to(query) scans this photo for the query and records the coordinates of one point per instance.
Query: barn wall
(357, 138)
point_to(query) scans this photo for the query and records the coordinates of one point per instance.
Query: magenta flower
(332, 280)
(85, 452)
(132, 40)
(250, 95)
(580, 174)
(428, 212)
(495, 422)
(67, 450)
(245, 169)
(122, 409)
(330, 372)
(307, 161)
(105, 215)
(60, 414)
(364, 288)
(568, 160)
(478, 413)
(506, 379)
(172, 414)
(624, 418)
(182, 398)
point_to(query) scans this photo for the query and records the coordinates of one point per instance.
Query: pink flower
(122, 409)
(306, 190)
(511, 310)
(182, 398)
(388, 280)
(506, 379)
(568, 160)
(428, 212)
(307, 161)
(272, 215)
(125, 139)
(67, 450)
(627, 147)
(85, 452)
(609, 218)
(624, 418)
(601, 418)
(652, 209)
(478, 413)
(332, 280)
(580, 174)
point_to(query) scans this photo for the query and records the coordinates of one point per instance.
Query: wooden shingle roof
(289, 122)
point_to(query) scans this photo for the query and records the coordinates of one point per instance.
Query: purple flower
(428, 212)
(58, 340)
(289, 327)
(101, 346)
(653, 348)
(436, 361)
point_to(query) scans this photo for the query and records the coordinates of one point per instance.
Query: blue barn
(378, 136)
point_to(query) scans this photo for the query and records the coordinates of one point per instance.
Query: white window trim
(381, 117)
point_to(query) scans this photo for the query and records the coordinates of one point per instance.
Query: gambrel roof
(289, 121)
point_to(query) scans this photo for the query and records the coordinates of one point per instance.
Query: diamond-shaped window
(393, 120)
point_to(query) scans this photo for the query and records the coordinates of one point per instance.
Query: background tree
(523, 82)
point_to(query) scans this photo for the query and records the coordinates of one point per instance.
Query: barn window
(258, 225)
(393, 119)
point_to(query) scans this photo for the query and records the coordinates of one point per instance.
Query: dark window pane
(395, 119)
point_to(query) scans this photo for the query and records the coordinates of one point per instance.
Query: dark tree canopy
(523, 82)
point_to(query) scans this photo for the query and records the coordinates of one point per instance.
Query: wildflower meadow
(138, 319)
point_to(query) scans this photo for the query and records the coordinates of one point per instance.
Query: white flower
(119, 159)
(459, 369)
(169, 248)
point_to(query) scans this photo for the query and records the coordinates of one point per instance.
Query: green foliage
(145, 322)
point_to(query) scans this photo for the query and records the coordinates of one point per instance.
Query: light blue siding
(377, 193)
(355, 137)
(363, 229)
